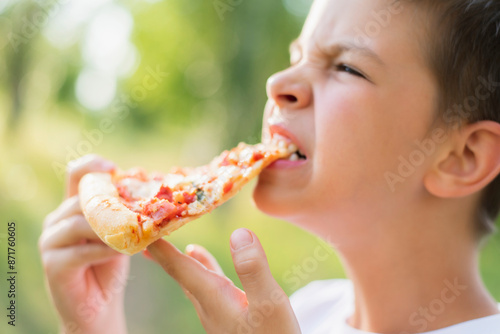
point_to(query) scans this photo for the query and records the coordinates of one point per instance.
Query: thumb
(251, 265)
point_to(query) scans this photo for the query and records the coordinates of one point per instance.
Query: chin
(273, 201)
(282, 205)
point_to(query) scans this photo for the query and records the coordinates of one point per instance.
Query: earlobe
(471, 162)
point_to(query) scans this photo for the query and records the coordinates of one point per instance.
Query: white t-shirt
(323, 307)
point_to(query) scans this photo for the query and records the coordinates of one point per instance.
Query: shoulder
(318, 301)
(334, 290)
(486, 325)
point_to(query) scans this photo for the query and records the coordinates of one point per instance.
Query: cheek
(348, 137)
(360, 134)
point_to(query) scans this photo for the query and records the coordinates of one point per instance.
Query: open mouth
(284, 142)
(297, 156)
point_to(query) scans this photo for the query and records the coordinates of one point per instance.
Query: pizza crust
(113, 222)
(129, 232)
(109, 218)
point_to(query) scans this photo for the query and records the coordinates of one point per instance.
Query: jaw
(282, 192)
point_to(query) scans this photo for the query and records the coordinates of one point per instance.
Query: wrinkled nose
(289, 90)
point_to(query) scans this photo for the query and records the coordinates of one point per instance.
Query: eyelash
(341, 68)
(350, 70)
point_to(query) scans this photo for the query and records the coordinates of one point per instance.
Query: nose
(289, 90)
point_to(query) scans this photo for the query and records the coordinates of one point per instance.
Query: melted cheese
(140, 189)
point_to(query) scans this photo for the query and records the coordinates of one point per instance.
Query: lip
(286, 164)
(279, 129)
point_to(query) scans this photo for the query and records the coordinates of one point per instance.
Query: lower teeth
(294, 157)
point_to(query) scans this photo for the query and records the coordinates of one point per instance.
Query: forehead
(385, 26)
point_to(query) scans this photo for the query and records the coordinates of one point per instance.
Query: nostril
(290, 98)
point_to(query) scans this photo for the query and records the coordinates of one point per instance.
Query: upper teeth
(285, 145)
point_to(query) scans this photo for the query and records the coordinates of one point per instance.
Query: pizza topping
(165, 193)
(135, 173)
(149, 206)
(167, 204)
(200, 194)
(181, 210)
(138, 188)
(174, 212)
(160, 210)
(189, 191)
(139, 220)
(229, 159)
(257, 156)
(124, 192)
(227, 187)
(189, 198)
(195, 208)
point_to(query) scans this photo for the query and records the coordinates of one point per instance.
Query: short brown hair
(463, 51)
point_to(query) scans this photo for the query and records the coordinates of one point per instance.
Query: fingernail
(147, 255)
(241, 238)
(189, 249)
(108, 165)
(153, 249)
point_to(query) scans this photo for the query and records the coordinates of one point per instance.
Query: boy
(396, 107)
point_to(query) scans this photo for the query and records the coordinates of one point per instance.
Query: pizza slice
(131, 209)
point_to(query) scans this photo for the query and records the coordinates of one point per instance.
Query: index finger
(188, 272)
(86, 164)
(68, 208)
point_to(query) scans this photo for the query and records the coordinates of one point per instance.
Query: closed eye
(350, 70)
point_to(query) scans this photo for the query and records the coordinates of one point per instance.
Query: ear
(469, 164)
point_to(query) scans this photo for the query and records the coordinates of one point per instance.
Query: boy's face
(357, 96)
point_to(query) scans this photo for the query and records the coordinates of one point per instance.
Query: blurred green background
(151, 83)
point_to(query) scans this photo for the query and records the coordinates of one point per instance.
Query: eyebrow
(339, 48)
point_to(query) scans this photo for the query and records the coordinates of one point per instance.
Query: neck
(416, 279)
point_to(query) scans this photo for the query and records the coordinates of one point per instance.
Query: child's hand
(86, 278)
(223, 308)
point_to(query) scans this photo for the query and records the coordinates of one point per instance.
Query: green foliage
(213, 94)
(212, 97)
